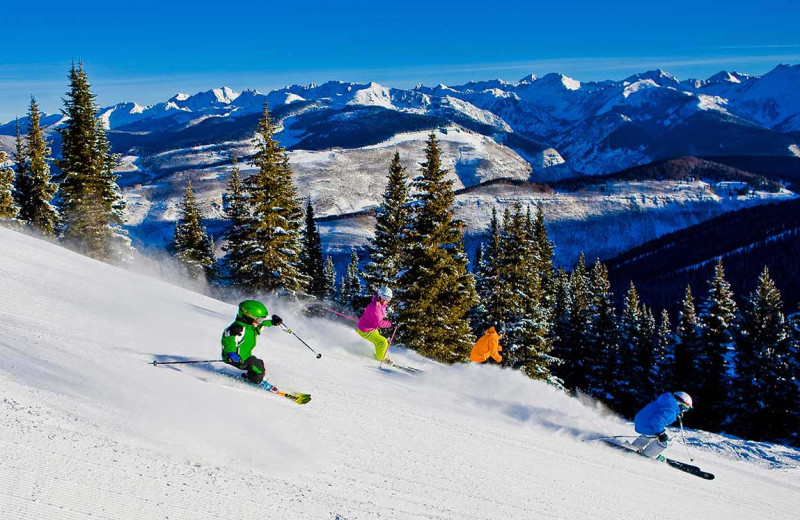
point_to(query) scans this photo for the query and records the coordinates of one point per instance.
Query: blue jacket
(656, 416)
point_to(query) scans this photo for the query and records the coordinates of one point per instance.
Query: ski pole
(301, 340)
(683, 438)
(351, 318)
(156, 363)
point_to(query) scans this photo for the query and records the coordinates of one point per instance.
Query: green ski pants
(374, 337)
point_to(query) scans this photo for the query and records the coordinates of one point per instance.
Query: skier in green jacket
(239, 339)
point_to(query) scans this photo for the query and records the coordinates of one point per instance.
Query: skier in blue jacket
(651, 422)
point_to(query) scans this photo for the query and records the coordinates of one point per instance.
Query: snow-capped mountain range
(341, 137)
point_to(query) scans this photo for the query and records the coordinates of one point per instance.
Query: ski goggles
(261, 320)
(684, 407)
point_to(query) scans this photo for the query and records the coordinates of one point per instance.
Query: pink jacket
(373, 316)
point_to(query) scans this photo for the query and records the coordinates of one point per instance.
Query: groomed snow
(89, 429)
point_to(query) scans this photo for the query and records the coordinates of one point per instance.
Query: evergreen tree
(560, 316)
(330, 279)
(272, 247)
(236, 263)
(664, 353)
(191, 243)
(759, 375)
(352, 289)
(391, 220)
(311, 257)
(92, 205)
(518, 289)
(19, 167)
(545, 254)
(602, 349)
(580, 323)
(646, 375)
(717, 315)
(34, 189)
(435, 290)
(489, 311)
(8, 207)
(787, 394)
(688, 347)
(631, 325)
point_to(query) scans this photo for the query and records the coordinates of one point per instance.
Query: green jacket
(240, 337)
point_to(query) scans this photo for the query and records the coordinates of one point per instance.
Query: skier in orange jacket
(488, 346)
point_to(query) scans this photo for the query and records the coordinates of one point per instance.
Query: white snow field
(90, 429)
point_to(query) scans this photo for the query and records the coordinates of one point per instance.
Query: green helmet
(253, 309)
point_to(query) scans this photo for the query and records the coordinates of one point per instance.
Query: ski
(688, 468)
(298, 398)
(408, 369)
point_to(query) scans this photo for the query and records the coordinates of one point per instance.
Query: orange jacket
(486, 347)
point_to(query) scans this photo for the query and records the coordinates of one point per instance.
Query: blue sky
(145, 51)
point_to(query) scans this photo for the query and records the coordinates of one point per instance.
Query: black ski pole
(301, 340)
(156, 363)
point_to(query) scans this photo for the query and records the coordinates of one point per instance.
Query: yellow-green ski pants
(374, 337)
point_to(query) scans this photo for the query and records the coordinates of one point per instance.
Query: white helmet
(384, 293)
(684, 399)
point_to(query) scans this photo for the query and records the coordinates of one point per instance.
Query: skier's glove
(663, 438)
(276, 320)
(232, 358)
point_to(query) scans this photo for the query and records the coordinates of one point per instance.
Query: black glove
(276, 320)
(663, 438)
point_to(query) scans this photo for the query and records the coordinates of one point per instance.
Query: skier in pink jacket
(373, 319)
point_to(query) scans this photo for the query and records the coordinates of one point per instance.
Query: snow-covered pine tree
(352, 289)
(580, 322)
(602, 348)
(762, 336)
(191, 243)
(8, 207)
(34, 189)
(272, 248)
(236, 266)
(788, 395)
(330, 279)
(717, 315)
(645, 362)
(91, 202)
(688, 347)
(664, 353)
(545, 254)
(391, 220)
(311, 257)
(518, 289)
(488, 312)
(626, 394)
(435, 289)
(562, 303)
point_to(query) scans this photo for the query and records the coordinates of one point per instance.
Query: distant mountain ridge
(551, 121)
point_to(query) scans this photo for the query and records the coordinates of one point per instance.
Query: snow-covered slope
(90, 429)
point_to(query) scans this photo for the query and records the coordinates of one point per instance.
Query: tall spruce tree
(631, 325)
(34, 189)
(435, 290)
(518, 289)
(391, 219)
(330, 279)
(236, 265)
(580, 323)
(787, 384)
(761, 341)
(19, 167)
(545, 254)
(352, 289)
(688, 347)
(664, 353)
(646, 377)
(91, 202)
(8, 207)
(272, 247)
(602, 348)
(489, 311)
(717, 317)
(191, 243)
(311, 257)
